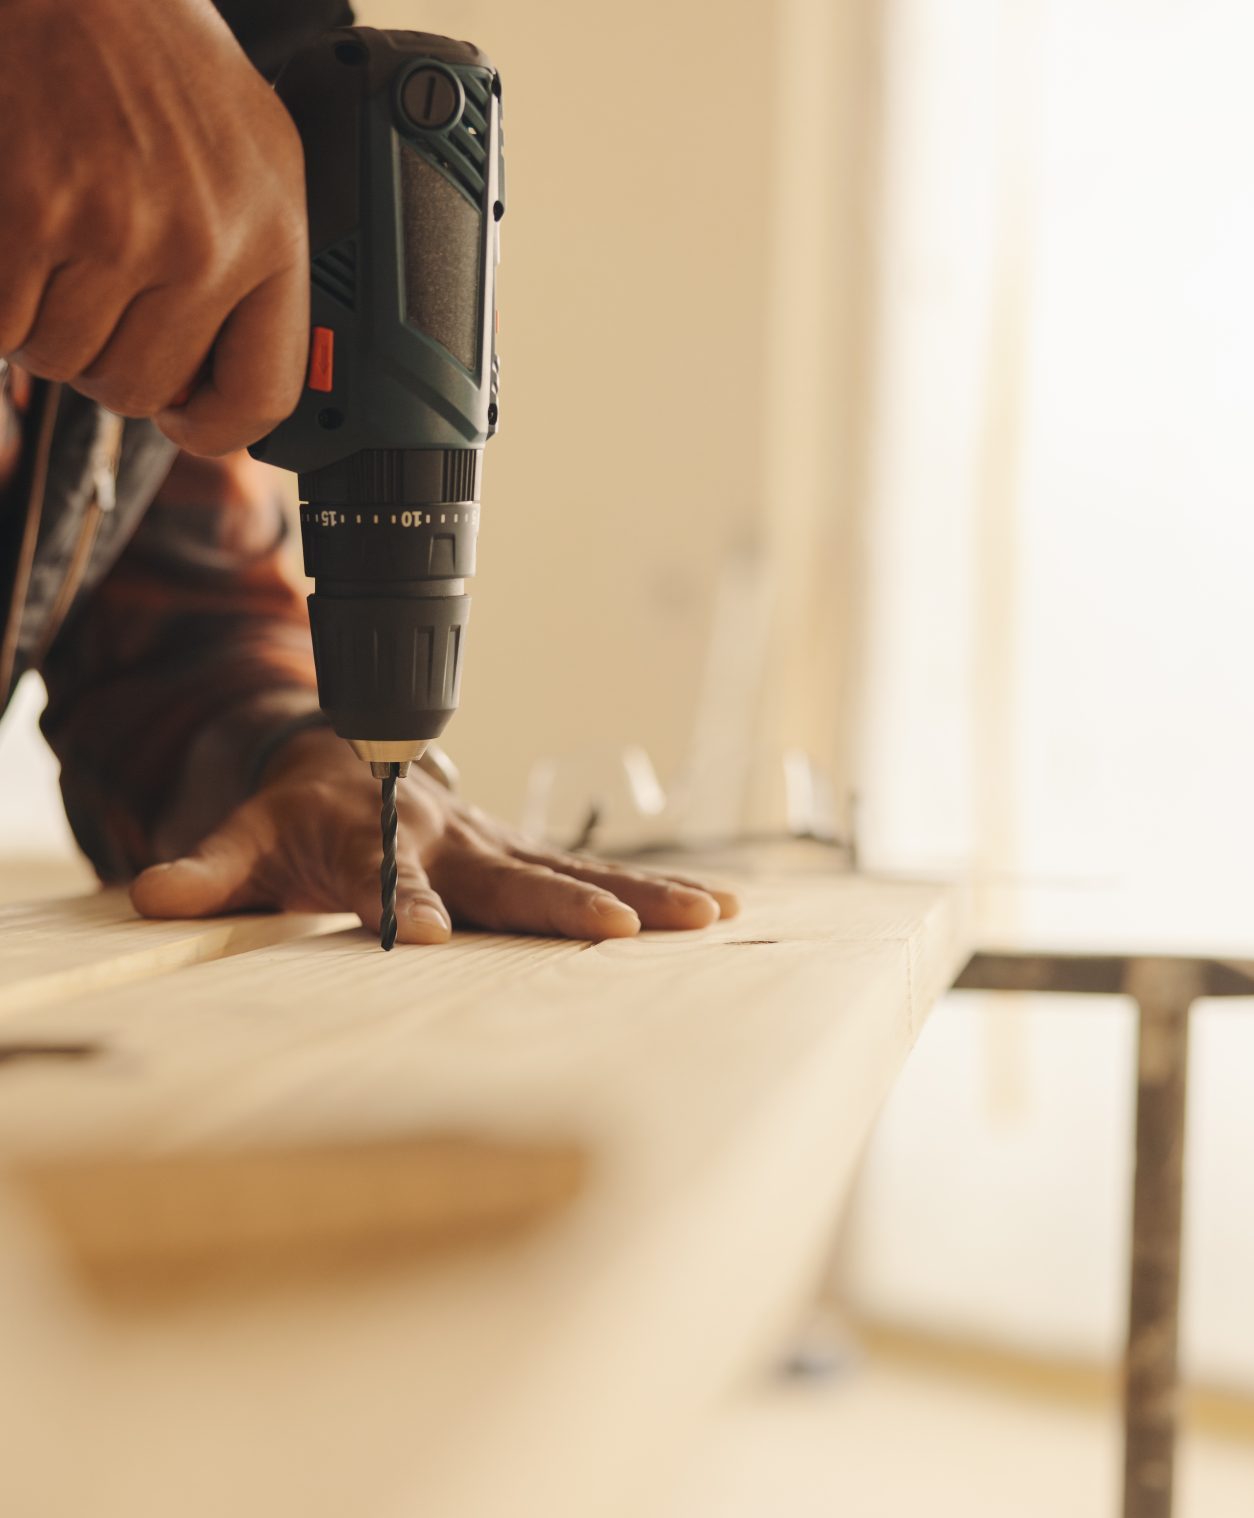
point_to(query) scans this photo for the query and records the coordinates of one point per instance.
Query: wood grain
(719, 1087)
(51, 951)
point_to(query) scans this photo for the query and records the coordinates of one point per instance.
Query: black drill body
(402, 140)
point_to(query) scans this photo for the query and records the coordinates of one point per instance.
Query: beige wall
(669, 296)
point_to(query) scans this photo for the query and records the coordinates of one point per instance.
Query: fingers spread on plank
(728, 901)
(662, 901)
(421, 917)
(495, 891)
(221, 876)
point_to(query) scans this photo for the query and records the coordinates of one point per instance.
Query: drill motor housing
(405, 182)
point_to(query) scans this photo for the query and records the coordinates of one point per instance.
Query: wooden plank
(719, 1087)
(38, 877)
(142, 1229)
(58, 949)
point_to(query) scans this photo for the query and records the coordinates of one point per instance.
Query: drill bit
(387, 870)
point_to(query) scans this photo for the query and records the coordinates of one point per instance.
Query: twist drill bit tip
(387, 870)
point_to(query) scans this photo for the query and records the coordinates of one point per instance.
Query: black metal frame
(1164, 989)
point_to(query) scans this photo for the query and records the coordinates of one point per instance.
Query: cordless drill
(405, 183)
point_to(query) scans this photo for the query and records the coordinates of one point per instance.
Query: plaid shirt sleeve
(172, 681)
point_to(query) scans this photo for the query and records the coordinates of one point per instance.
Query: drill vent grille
(463, 152)
(334, 271)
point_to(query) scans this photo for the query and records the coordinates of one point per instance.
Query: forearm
(167, 686)
(147, 776)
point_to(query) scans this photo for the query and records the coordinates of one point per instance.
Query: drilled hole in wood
(13, 1054)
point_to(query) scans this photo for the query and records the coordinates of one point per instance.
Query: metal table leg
(1164, 994)
(1164, 990)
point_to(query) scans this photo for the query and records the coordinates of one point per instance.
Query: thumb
(218, 876)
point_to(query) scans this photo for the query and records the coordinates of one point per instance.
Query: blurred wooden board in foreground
(139, 1230)
(470, 1231)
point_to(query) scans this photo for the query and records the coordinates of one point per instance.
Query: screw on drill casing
(387, 870)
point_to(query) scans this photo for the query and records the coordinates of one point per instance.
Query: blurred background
(878, 384)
